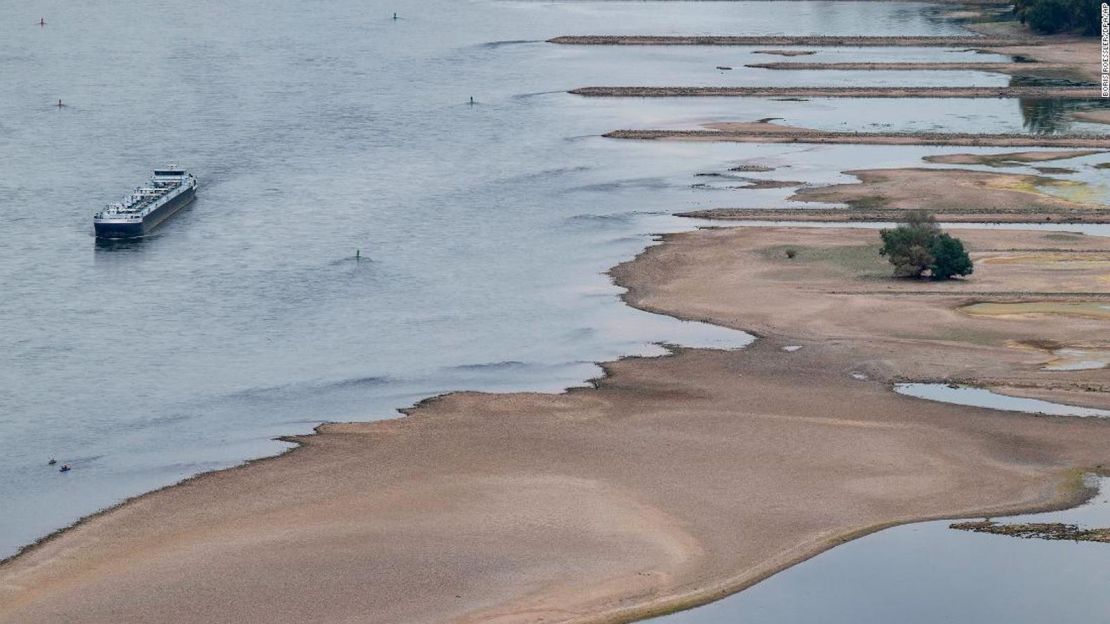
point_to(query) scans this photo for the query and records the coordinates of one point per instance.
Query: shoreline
(985, 41)
(436, 434)
(729, 588)
(1066, 491)
(851, 215)
(1013, 69)
(669, 483)
(740, 132)
(1047, 93)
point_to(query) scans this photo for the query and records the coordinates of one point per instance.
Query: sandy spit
(673, 482)
(738, 133)
(1094, 116)
(841, 215)
(816, 40)
(961, 191)
(1009, 159)
(1002, 68)
(1062, 93)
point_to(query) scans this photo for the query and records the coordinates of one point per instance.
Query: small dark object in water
(60, 103)
(724, 67)
(752, 168)
(64, 468)
(472, 100)
(1036, 530)
(953, 386)
(51, 462)
(394, 16)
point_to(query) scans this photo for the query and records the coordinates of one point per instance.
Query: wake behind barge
(143, 209)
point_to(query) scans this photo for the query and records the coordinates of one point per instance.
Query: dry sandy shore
(1008, 159)
(955, 195)
(1060, 93)
(741, 132)
(869, 215)
(960, 191)
(837, 289)
(675, 481)
(1095, 116)
(816, 40)
(1022, 69)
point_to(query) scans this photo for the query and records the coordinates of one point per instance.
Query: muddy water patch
(1078, 359)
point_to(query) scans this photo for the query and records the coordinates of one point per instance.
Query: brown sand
(675, 481)
(1060, 93)
(1094, 116)
(1081, 54)
(1008, 159)
(805, 40)
(1018, 69)
(754, 132)
(959, 191)
(903, 329)
(864, 215)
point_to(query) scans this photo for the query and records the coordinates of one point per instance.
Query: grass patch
(861, 261)
(1064, 236)
(1070, 190)
(870, 202)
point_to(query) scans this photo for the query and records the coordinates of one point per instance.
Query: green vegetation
(918, 247)
(1056, 16)
(869, 202)
(858, 261)
(1037, 530)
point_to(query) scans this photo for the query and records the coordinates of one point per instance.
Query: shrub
(907, 246)
(791, 252)
(950, 259)
(1049, 16)
(1053, 16)
(917, 246)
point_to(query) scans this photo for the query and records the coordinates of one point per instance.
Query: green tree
(908, 245)
(1049, 16)
(917, 246)
(1054, 16)
(950, 259)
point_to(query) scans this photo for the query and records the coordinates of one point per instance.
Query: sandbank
(1018, 69)
(674, 481)
(803, 40)
(959, 191)
(1059, 93)
(756, 132)
(1007, 159)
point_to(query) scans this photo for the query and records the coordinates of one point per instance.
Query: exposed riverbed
(483, 230)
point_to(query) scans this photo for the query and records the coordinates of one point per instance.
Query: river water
(319, 129)
(927, 573)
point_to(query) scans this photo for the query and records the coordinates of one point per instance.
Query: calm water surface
(927, 573)
(318, 129)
